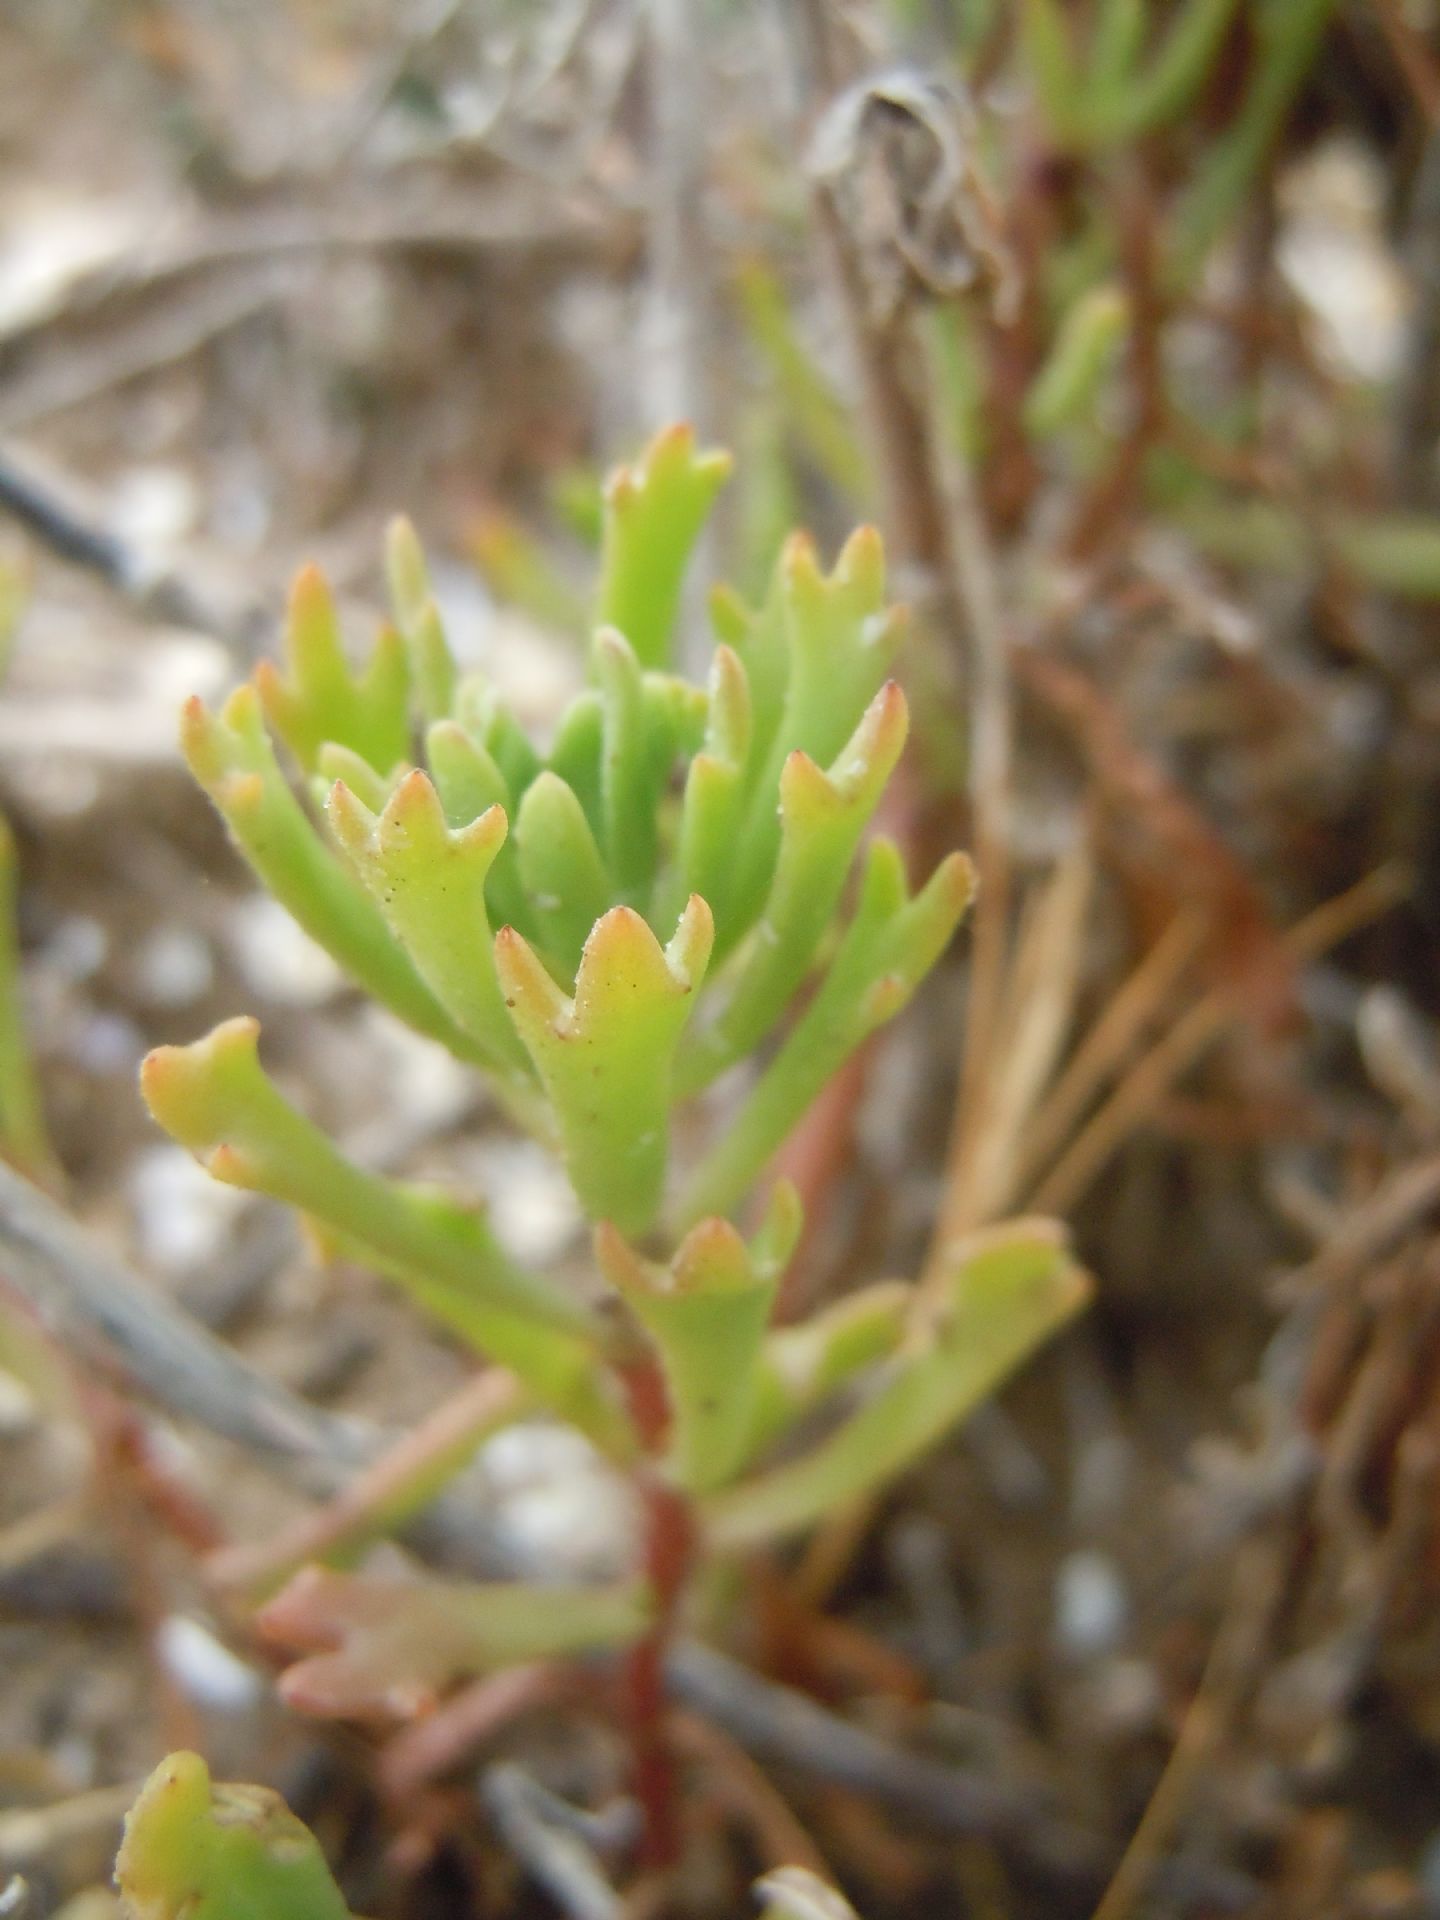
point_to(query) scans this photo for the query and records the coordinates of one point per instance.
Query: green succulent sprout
(686, 885)
(196, 1851)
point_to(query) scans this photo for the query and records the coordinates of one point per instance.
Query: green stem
(1290, 37)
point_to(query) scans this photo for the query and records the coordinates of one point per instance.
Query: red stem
(669, 1550)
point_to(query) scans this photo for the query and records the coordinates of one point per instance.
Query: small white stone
(1334, 252)
(154, 505)
(1091, 1604)
(204, 1669)
(173, 967)
(278, 959)
(77, 948)
(185, 663)
(560, 1507)
(183, 1217)
(532, 1205)
(107, 1044)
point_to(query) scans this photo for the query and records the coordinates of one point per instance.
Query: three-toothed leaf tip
(891, 943)
(231, 756)
(195, 1850)
(428, 880)
(605, 1056)
(215, 1098)
(706, 1312)
(317, 698)
(378, 1646)
(189, 1089)
(993, 1299)
(823, 813)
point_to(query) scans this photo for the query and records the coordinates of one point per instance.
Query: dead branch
(778, 1724)
(106, 1316)
(50, 507)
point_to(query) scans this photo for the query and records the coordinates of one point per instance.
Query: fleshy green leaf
(645, 721)
(822, 816)
(429, 882)
(319, 699)
(215, 1098)
(773, 1243)
(197, 1851)
(482, 713)
(706, 1312)
(839, 640)
(654, 511)
(1003, 1293)
(230, 755)
(432, 665)
(470, 783)
(630, 775)
(715, 793)
(393, 1646)
(883, 955)
(756, 636)
(801, 1365)
(577, 751)
(605, 1057)
(1065, 389)
(561, 869)
(343, 763)
(466, 775)
(406, 574)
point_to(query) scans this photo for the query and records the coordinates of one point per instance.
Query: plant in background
(604, 930)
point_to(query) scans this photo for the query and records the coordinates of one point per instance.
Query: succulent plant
(196, 1851)
(681, 885)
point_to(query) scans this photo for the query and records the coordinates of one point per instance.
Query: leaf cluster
(683, 882)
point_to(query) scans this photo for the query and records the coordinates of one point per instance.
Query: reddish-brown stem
(1105, 512)
(669, 1544)
(668, 1552)
(1011, 472)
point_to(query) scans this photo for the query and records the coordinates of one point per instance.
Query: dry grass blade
(737, 1782)
(1018, 1050)
(1132, 1101)
(556, 1856)
(1254, 1592)
(1139, 1093)
(1395, 1206)
(1135, 1003)
(29, 1834)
